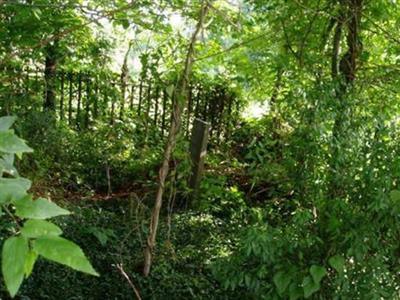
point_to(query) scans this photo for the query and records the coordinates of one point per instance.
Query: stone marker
(198, 150)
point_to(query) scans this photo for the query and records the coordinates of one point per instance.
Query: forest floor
(112, 230)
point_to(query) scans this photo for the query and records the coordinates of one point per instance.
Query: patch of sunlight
(256, 110)
(176, 22)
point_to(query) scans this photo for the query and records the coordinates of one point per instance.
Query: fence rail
(82, 98)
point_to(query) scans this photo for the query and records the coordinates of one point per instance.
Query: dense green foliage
(36, 236)
(300, 196)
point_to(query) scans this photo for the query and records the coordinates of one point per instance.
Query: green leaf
(337, 262)
(395, 195)
(6, 122)
(15, 250)
(281, 281)
(309, 286)
(101, 234)
(247, 280)
(31, 258)
(36, 12)
(170, 90)
(12, 189)
(38, 228)
(317, 273)
(38, 209)
(7, 165)
(125, 23)
(295, 292)
(64, 252)
(10, 143)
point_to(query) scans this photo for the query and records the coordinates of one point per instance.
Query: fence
(82, 98)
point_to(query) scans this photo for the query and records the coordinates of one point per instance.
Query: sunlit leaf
(38, 209)
(38, 228)
(337, 262)
(10, 143)
(170, 90)
(64, 252)
(7, 165)
(31, 258)
(12, 189)
(6, 122)
(15, 250)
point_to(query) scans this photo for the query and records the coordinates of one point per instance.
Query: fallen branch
(126, 276)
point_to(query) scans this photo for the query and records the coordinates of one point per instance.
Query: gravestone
(198, 150)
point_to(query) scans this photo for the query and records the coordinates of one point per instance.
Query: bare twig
(11, 216)
(126, 276)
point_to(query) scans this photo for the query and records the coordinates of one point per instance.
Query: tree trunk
(180, 96)
(344, 76)
(50, 77)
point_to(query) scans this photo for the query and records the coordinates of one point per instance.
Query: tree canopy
(201, 149)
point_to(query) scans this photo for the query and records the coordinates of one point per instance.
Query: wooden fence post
(156, 105)
(197, 107)
(198, 150)
(147, 112)
(131, 97)
(78, 110)
(206, 104)
(70, 99)
(140, 96)
(149, 100)
(122, 102)
(112, 103)
(27, 81)
(62, 97)
(88, 100)
(229, 118)
(96, 99)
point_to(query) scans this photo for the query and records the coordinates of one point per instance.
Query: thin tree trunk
(50, 77)
(180, 95)
(336, 48)
(189, 110)
(140, 96)
(124, 81)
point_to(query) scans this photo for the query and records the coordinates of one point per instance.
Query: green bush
(78, 160)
